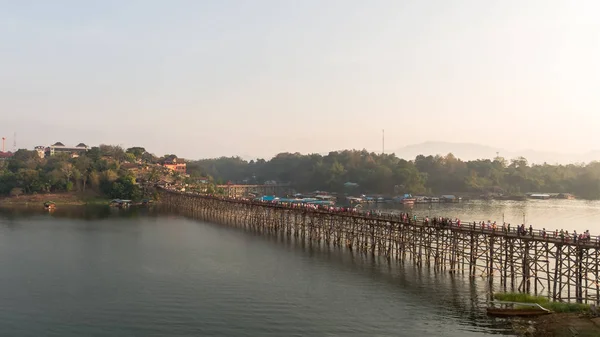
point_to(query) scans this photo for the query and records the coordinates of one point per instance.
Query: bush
(16, 191)
(543, 301)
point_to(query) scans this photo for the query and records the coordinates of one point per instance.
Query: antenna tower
(3, 140)
(15, 143)
(382, 141)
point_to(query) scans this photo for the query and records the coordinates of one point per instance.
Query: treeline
(387, 174)
(102, 170)
(99, 169)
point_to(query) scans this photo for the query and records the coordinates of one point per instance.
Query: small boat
(49, 205)
(408, 201)
(508, 309)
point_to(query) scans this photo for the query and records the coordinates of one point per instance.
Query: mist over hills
(472, 151)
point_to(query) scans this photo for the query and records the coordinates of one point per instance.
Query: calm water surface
(578, 215)
(138, 273)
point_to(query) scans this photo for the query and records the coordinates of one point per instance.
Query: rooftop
(60, 144)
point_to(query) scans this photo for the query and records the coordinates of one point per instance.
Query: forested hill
(377, 173)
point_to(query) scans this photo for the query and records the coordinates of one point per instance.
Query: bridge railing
(406, 218)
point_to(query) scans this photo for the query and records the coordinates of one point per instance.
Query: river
(579, 215)
(138, 272)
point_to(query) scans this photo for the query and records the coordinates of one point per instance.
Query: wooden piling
(559, 268)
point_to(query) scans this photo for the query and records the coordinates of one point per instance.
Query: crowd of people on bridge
(437, 222)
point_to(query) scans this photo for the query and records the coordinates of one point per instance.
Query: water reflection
(570, 215)
(75, 212)
(139, 272)
(445, 294)
(402, 288)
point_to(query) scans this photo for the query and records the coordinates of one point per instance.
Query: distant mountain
(471, 151)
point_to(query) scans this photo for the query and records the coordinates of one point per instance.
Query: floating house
(450, 198)
(120, 203)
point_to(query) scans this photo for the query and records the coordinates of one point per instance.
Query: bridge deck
(536, 234)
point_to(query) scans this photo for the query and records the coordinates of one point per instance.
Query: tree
(136, 151)
(83, 164)
(153, 176)
(124, 188)
(100, 168)
(149, 158)
(94, 154)
(130, 158)
(16, 191)
(114, 151)
(68, 171)
(29, 180)
(94, 178)
(23, 159)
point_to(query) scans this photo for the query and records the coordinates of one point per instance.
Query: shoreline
(558, 325)
(60, 199)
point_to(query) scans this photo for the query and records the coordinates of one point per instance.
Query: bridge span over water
(562, 269)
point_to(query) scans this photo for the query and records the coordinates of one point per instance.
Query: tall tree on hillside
(136, 151)
(84, 165)
(67, 169)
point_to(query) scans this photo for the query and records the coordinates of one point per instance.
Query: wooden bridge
(556, 267)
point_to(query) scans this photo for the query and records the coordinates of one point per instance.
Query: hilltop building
(175, 164)
(41, 151)
(5, 155)
(59, 147)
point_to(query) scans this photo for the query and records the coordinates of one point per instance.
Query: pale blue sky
(224, 77)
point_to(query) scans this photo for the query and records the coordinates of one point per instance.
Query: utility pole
(382, 141)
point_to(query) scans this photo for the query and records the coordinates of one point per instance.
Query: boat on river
(516, 309)
(408, 201)
(49, 205)
(120, 203)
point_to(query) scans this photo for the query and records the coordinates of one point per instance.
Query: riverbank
(567, 319)
(60, 199)
(566, 325)
(558, 325)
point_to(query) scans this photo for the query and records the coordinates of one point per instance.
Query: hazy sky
(204, 78)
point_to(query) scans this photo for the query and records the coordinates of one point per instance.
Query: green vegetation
(102, 172)
(106, 170)
(559, 307)
(387, 174)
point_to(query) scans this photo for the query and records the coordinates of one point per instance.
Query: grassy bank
(60, 199)
(558, 307)
(567, 320)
